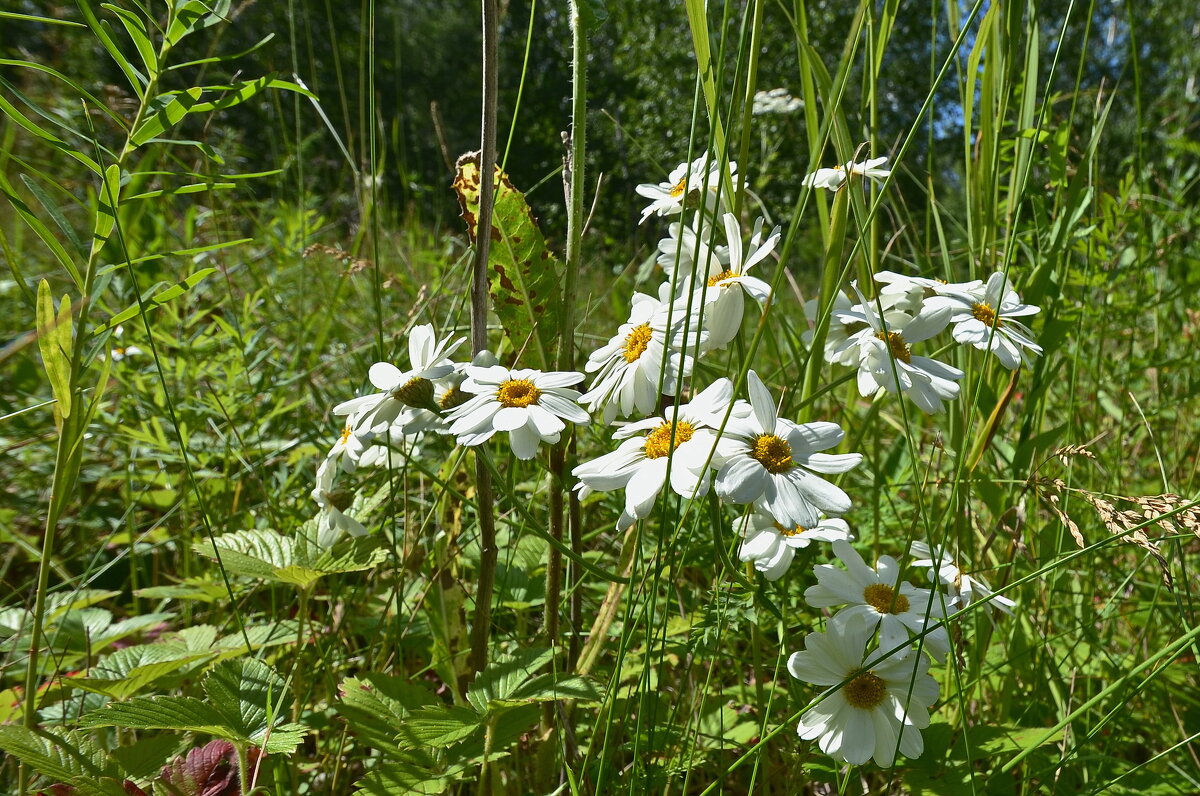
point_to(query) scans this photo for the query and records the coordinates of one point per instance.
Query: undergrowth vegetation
(844, 463)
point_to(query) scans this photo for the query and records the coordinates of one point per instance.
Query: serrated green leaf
(547, 688)
(250, 693)
(505, 675)
(67, 758)
(53, 331)
(185, 714)
(439, 726)
(125, 672)
(270, 555)
(401, 779)
(144, 758)
(376, 706)
(524, 277)
(168, 110)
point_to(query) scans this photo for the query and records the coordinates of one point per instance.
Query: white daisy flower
(844, 321)
(628, 367)
(529, 404)
(684, 439)
(120, 352)
(413, 388)
(688, 249)
(834, 178)
(879, 705)
(986, 318)
(772, 461)
(701, 175)
(877, 598)
(332, 522)
(776, 100)
(348, 448)
(726, 287)
(886, 362)
(772, 546)
(962, 589)
(392, 450)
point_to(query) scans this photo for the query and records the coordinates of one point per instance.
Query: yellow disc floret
(896, 345)
(637, 341)
(659, 442)
(884, 599)
(983, 312)
(721, 277)
(678, 189)
(518, 392)
(772, 452)
(799, 529)
(865, 691)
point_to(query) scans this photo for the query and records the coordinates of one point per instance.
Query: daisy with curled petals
(690, 249)
(834, 178)
(428, 359)
(877, 598)
(879, 705)
(348, 449)
(683, 440)
(627, 368)
(772, 546)
(701, 175)
(723, 293)
(986, 318)
(332, 522)
(529, 404)
(886, 362)
(962, 589)
(772, 461)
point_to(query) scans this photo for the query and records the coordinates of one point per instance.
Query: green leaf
(54, 342)
(270, 555)
(137, 32)
(193, 15)
(21, 119)
(592, 13)
(72, 758)
(524, 278)
(34, 223)
(252, 695)
(401, 779)
(107, 203)
(237, 93)
(440, 726)
(168, 110)
(54, 211)
(102, 32)
(505, 675)
(185, 714)
(376, 706)
(157, 300)
(548, 687)
(127, 671)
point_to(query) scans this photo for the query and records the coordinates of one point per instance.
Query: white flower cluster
(776, 100)
(876, 336)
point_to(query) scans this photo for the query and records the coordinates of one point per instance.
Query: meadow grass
(492, 632)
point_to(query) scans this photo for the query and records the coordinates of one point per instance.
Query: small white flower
(683, 439)
(986, 318)
(332, 522)
(886, 362)
(776, 100)
(120, 352)
(348, 448)
(701, 175)
(877, 598)
(844, 321)
(413, 388)
(962, 589)
(529, 404)
(772, 546)
(723, 293)
(688, 249)
(392, 450)
(772, 461)
(878, 704)
(834, 178)
(629, 366)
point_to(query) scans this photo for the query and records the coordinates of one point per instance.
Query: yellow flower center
(772, 452)
(637, 341)
(659, 443)
(984, 312)
(896, 345)
(865, 691)
(799, 529)
(679, 188)
(721, 277)
(416, 392)
(346, 432)
(451, 398)
(884, 599)
(518, 392)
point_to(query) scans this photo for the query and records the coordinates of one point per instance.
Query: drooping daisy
(689, 249)
(877, 598)
(683, 439)
(844, 322)
(702, 175)
(772, 546)
(834, 178)
(413, 388)
(886, 362)
(961, 589)
(723, 292)
(627, 369)
(772, 461)
(986, 318)
(879, 705)
(529, 404)
(332, 521)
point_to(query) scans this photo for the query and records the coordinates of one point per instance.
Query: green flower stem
(481, 626)
(831, 277)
